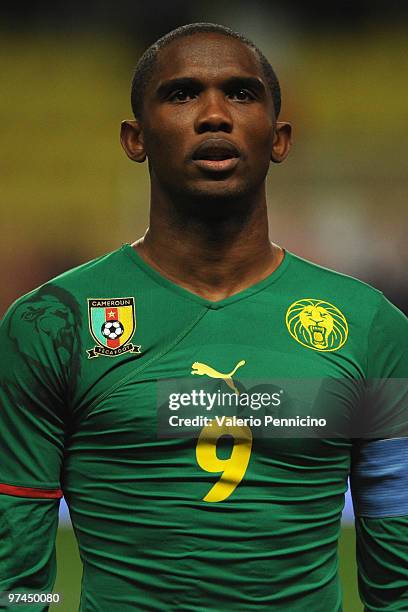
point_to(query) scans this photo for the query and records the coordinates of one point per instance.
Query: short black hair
(145, 65)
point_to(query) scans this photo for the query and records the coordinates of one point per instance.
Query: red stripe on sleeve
(29, 492)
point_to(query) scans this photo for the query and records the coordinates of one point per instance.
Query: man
(177, 522)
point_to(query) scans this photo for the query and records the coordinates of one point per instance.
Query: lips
(216, 154)
(216, 149)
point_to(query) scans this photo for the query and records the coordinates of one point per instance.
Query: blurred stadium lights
(145, 21)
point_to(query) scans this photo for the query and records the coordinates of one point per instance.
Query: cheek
(259, 138)
(159, 148)
(259, 152)
(262, 135)
(165, 137)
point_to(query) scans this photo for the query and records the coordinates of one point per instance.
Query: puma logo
(202, 369)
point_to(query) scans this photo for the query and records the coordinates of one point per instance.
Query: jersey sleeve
(379, 476)
(36, 339)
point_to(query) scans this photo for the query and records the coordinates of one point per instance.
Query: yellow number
(233, 468)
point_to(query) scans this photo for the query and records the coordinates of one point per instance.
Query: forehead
(206, 55)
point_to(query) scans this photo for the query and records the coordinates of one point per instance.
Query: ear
(282, 141)
(131, 138)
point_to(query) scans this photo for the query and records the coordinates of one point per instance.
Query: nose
(213, 114)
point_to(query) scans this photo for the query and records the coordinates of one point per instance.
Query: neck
(214, 248)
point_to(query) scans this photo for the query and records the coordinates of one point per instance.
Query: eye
(241, 95)
(181, 95)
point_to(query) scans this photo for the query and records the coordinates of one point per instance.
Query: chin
(215, 202)
(220, 190)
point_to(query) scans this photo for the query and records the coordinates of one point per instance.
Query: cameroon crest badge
(112, 323)
(317, 324)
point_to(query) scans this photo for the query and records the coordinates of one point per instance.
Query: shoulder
(49, 314)
(90, 271)
(354, 310)
(359, 294)
(60, 294)
(316, 277)
(358, 301)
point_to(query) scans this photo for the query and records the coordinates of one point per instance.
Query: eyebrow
(246, 82)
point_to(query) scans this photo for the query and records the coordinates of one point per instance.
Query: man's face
(208, 119)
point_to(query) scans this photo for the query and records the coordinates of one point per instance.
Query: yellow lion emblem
(317, 324)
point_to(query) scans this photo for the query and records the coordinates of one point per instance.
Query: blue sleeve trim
(379, 478)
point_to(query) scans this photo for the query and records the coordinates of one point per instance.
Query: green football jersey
(183, 523)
